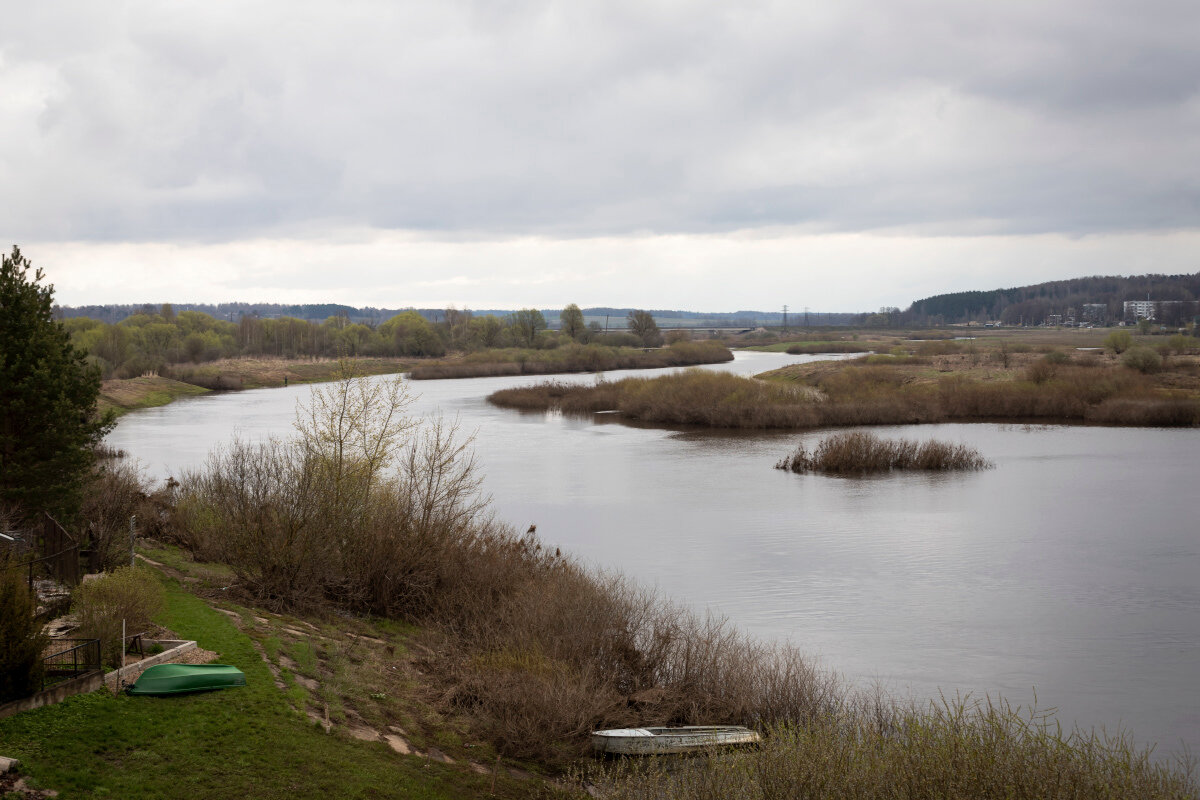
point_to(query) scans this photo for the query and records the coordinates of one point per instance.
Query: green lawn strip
(236, 743)
(148, 393)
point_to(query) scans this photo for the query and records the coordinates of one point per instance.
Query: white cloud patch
(716, 272)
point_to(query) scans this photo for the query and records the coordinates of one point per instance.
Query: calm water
(1072, 568)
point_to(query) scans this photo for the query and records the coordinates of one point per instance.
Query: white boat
(660, 741)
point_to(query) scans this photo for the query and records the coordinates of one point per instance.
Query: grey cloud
(602, 117)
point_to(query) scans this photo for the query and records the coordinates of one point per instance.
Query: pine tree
(48, 421)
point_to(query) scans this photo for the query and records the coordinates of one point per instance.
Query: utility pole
(785, 317)
(806, 316)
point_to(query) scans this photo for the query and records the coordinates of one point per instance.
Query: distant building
(1095, 313)
(1140, 309)
(1168, 312)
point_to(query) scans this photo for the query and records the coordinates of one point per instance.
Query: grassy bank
(186, 380)
(254, 741)
(902, 388)
(571, 358)
(123, 396)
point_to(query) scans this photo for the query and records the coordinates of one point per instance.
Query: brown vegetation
(893, 390)
(827, 347)
(858, 453)
(572, 358)
(878, 750)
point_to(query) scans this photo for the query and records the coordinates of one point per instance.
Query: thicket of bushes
(870, 392)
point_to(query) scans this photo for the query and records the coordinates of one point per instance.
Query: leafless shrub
(113, 494)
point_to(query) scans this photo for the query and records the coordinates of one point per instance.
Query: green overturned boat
(181, 678)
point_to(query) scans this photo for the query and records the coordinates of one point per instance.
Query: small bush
(132, 594)
(21, 637)
(1057, 357)
(1180, 344)
(1143, 359)
(1119, 341)
(858, 453)
(1042, 370)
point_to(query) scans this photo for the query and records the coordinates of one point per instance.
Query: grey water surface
(1071, 569)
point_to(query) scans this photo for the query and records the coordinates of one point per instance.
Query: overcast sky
(702, 155)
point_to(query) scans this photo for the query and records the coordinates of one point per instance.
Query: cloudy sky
(687, 154)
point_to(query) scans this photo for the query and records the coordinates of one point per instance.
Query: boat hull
(665, 741)
(165, 679)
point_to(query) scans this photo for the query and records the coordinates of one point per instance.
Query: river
(1071, 569)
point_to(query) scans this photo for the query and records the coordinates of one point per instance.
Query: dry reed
(868, 392)
(877, 750)
(859, 453)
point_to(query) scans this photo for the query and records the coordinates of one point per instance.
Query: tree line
(153, 338)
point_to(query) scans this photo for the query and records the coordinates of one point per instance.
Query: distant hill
(1035, 305)
(615, 317)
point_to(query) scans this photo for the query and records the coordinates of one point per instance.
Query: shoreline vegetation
(929, 381)
(123, 395)
(572, 358)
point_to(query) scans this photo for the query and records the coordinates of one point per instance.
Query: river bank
(922, 584)
(234, 374)
(572, 358)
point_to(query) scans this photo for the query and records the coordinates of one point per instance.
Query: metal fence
(76, 657)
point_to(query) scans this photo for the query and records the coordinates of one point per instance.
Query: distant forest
(1079, 298)
(319, 312)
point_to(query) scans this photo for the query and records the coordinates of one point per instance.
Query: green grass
(238, 743)
(125, 396)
